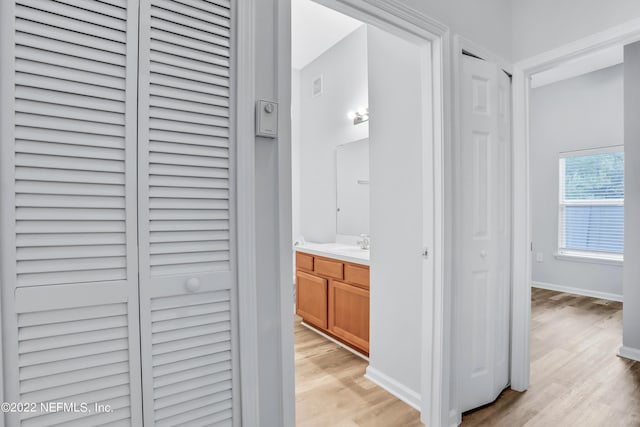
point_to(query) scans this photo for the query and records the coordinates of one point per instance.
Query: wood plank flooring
(331, 390)
(577, 379)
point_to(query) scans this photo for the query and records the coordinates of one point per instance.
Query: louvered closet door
(187, 277)
(69, 210)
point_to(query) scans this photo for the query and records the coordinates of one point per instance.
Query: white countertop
(339, 251)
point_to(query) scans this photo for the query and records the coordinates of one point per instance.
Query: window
(591, 220)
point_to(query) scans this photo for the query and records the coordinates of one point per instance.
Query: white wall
(631, 336)
(395, 144)
(296, 136)
(542, 25)
(486, 22)
(315, 29)
(579, 113)
(324, 125)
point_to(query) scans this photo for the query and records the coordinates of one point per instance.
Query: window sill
(592, 259)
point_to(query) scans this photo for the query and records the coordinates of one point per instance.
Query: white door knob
(193, 284)
(483, 254)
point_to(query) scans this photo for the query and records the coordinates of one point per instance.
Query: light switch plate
(539, 257)
(267, 119)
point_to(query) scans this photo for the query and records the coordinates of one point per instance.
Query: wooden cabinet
(333, 296)
(357, 274)
(328, 268)
(311, 299)
(349, 313)
(304, 261)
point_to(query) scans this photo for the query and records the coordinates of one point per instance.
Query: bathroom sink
(341, 247)
(355, 249)
(345, 252)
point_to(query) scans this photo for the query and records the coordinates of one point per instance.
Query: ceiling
(314, 29)
(576, 67)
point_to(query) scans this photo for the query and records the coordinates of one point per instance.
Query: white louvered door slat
(187, 267)
(71, 294)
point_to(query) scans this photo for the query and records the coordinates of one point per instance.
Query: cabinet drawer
(311, 299)
(304, 261)
(329, 268)
(356, 274)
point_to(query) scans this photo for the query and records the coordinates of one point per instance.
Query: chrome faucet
(365, 243)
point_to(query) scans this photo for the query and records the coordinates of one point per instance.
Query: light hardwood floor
(331, 390)
(576, 377)
(577, 380)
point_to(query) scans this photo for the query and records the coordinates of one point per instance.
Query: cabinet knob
(483, 254)
(193, 284)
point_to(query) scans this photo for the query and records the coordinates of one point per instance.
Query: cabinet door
(349, 314)
(311, 299)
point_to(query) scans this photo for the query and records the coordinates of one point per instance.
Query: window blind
(591, 217)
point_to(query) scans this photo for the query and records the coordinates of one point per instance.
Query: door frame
(397, 18)
(244, 127)
(522, 228)
(245, 131)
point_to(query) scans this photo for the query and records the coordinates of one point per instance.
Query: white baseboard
(629, 353)
(455, 418)
(577, 291)
(400, 391)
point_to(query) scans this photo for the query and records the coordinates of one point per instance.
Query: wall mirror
(352, 168)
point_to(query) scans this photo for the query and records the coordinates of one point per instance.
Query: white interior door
(69, 251)
(483, 268)
(186, 211)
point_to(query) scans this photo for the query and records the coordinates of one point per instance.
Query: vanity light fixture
(359, 116)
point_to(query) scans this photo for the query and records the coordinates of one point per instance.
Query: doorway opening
(576, 134)
(365, 196)
(570, 207)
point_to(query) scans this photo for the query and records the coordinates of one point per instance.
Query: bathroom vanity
(332, 292)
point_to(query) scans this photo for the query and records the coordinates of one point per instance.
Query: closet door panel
(70, 294)
(186, 211)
